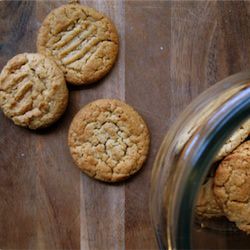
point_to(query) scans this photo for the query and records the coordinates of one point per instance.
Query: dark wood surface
(170, 52)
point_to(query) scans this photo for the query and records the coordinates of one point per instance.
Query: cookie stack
(227, 192)
(108, 139)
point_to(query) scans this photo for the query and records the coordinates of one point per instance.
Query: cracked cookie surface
(108, 140)
(206, 205)
(232, 186)
(82, 41)
(33, 91)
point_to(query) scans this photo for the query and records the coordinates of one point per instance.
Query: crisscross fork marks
(68, 35)
(29, 84)
(76, 41)
(77, 64)
(92, 45)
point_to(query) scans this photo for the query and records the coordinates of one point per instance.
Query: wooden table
(169, 53)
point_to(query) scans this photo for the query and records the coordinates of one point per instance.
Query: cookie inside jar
(222, 201)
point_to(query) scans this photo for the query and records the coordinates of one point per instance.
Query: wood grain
(102, 221)
(17, 166)
(147, 79)
(170, 52)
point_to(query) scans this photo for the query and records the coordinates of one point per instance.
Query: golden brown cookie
(235, 140)
(82, 41)
(108, 140)
(33, 92)
(206, 205)
(232, 186)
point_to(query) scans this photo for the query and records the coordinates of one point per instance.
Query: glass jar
(183, 162)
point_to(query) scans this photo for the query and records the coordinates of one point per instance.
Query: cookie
(235, 140)
(206, 205)
(108, 140)
(33, 91)
(82, 41)
(232, 186)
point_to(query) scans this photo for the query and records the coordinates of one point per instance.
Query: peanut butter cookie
(33, 92)
(108, 140)
(232, 186)
(206, 205)
(235, 140)
(82, 41)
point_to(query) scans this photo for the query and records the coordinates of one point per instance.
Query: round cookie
(108, 140)
(206, 205)
(232, 186)
(82, 41)
(33, 91)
